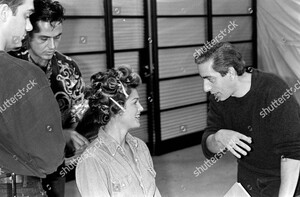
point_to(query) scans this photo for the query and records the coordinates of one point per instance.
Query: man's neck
(38, 61)
(243, 86)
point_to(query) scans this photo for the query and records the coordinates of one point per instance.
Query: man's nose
(206, 85)
(28, 25)
(51, 43)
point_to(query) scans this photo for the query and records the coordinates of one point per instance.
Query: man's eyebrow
(44, 36)
(204, 77)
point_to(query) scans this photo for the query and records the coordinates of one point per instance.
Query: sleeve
(215, 122)
(91, 178)
(285, 121)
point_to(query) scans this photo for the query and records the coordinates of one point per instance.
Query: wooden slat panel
(180, 92)
(193, 118)
(79, 7)
(131, 58)
(181, 31)
(128, 33)
(92, 30)
(141, 132)
(231, 6)
(176, 62)
(90, 64)
(246, 50)
(129, 7)
(241, 32)
(181, 7)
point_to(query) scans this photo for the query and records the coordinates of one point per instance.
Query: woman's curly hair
(106, 96)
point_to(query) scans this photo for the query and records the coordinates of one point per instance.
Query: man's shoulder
(20, 53)
(64, 58)
(20, 69)
(270, 80)
(16, 64)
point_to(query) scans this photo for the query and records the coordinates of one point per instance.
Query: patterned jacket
(66, 83)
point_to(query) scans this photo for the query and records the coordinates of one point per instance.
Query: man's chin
(47, 56)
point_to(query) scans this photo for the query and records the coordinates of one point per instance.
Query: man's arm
(289, 176)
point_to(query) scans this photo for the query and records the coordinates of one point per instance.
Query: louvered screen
(90, 64)
(130, 7)
(234, 28)
(179, 92)
(128, 33)
(231, 6)
(183, 121)
(180, 31)
(180, 86)
(83, 35)
(181, 7)
(176, 62)
(82, 8)
(131, 58)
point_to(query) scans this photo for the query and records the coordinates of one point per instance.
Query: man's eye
(212, 80)
(44, 39)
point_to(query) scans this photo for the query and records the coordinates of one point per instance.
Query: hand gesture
(234, 141)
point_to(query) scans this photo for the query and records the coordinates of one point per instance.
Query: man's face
(18, 24)
(221, 87)
(44, 43)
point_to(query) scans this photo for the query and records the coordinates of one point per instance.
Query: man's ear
(231, 72)
(4, 12)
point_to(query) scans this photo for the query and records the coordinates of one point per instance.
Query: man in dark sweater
(255, 116)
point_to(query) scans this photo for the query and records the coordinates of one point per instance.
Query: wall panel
(177, 62)
(83, 8)
(129, 7)
(183, 91)
(83, 35)
(234, 28)
(181, 31)
(181, 7)
(231, 6)
(90, 64)
(128, 33)
(183, 121)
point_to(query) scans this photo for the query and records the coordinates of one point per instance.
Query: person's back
(26, 122)
(31, 140)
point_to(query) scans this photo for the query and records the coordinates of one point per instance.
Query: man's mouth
(217, 96)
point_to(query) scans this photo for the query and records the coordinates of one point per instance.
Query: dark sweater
(269, 114)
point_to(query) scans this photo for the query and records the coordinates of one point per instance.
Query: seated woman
(115, 163)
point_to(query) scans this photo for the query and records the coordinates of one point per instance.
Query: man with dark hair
(63, 74)
(31, 139)
(267, 146)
